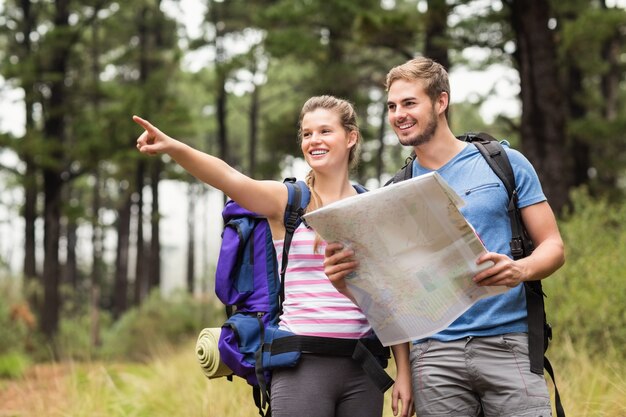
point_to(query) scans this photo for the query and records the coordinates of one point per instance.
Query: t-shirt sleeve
(529, 189)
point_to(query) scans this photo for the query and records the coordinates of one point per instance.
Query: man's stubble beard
(425, 136)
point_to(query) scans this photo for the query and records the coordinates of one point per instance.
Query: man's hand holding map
(416, 254)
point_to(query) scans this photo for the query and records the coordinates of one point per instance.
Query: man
(479, 365)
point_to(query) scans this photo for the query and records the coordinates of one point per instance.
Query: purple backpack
(248, 283)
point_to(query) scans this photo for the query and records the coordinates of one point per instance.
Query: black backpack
(539, 330)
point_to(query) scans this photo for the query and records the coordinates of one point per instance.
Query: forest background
(92, 282)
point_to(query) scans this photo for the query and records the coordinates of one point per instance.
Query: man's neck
(439, 150)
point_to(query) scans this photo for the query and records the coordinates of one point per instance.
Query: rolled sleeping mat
(209, 355)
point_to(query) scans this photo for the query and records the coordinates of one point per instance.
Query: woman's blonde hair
(347, 117)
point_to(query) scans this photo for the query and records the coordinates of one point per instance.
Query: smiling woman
(312, 307)
(324, 142)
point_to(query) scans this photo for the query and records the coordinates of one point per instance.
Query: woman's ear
(353, 137)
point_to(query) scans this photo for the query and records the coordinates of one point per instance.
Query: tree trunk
(222, 129)
(610, 81)
(141, 282)
(192, 195)
(97, 235)
(71, 264)
(581, 151)
(52, 233)
(30, 177)
(30, 216)
(611, 51)
(120, 286)
(253, 133)
(142, 278)
(97, 262)
(543, 112)
(221, 74)
(155, 241)
(53, 182)
(436, 42)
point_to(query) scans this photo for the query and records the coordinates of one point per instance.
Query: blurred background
(107, 257)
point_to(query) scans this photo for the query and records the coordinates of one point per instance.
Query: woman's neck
(332, 188)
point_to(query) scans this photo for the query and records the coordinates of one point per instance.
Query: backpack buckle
(517, 247)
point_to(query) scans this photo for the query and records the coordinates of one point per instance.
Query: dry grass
(173, 385)
(589, 388)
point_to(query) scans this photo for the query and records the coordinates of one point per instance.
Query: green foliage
(587, 296)
(465, 117)
(13, 330)
(158, 323)
(74, 339)
(13, 364)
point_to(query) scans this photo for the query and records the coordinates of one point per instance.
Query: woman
(319, 385)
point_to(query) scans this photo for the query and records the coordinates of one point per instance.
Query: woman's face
(325, 143)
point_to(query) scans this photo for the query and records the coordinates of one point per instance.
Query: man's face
(411, 112)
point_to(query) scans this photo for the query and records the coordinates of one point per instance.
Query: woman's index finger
(143, 123)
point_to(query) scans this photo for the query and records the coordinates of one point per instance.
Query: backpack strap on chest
(496, 157)
(298, 197)
(405, 173)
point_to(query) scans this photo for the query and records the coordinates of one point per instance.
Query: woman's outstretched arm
(264, 197)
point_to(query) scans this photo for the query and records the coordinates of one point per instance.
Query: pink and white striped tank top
(312, 306)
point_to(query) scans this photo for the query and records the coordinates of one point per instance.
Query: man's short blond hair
(432, 74)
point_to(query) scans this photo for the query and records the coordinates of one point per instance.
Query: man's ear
(443, 101)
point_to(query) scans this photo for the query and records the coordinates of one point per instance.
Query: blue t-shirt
(485, 208)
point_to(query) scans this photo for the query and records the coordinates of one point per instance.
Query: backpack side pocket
(240, 339)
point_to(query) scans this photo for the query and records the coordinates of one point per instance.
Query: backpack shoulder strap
(405, 173)
(496, 157)
(298, 197)
(359, 188)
